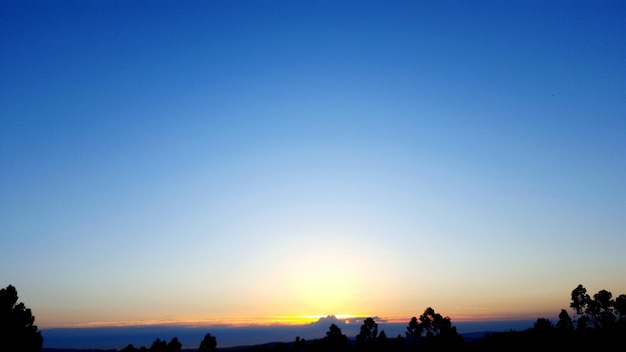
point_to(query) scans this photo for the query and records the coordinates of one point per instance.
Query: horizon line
(300, 320)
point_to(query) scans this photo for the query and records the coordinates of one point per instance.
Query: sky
(254, 162)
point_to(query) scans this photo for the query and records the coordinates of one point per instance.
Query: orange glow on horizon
(289, 320)
(233, 322)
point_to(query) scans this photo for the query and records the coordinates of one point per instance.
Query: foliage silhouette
(543, 324)
(208, 343)
(382, 342)
(620, 307)
(565, 321)
(128, 348)
(601, 325)
(414, 331)
(432, 329)
(368, 333)
(299, 344)
(174, 345)
(335, 340)
(158, 345)
(162, 346)
(601, 311)
(17, 329)
(398, 343)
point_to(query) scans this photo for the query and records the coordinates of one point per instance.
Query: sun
(317, 276)
(323, 282)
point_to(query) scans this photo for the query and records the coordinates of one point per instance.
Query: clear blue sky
(260, 160)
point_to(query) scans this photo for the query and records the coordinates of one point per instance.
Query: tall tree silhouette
(17, 329)
(580, 299)
(368, 333)
(413, 331)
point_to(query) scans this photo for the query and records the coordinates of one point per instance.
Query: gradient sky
(253, 161)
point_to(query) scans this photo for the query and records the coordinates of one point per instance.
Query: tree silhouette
(299, 344)
(17, 329)
(335, 340)
(580, 299)
(208, 344)
(427, 320)
(413, 331)
(620, 307)
(434, 324)
(159, 345)
(382, 342)
(543, 324)
(369, 332)
(582, 323)
(163, 346)
(398, 343)
(174, 345)
(129, 348)
(565, 321)
(432, 328)
(600, 310)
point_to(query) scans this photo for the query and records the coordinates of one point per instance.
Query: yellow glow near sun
(305, 319)
(323, 281)
(325, 275)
